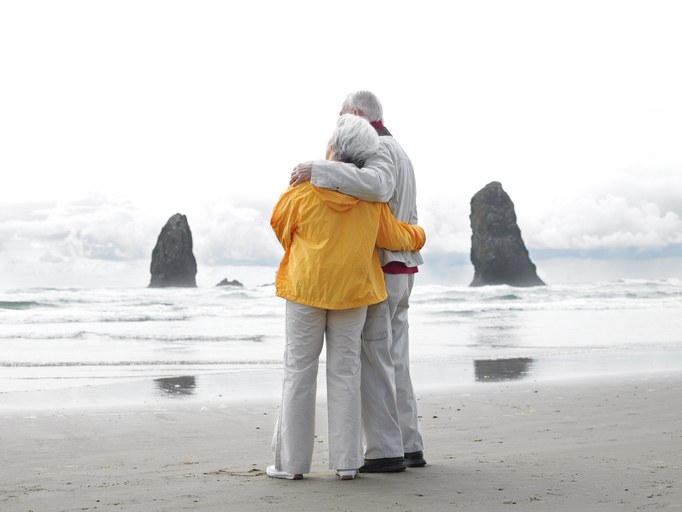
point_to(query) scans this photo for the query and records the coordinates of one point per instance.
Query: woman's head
(354, 140)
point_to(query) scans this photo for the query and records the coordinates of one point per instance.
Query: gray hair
(354, 140)
(368, 103)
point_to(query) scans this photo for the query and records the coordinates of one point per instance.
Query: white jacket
(386, 177)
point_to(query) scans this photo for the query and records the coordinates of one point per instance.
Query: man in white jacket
(389, 407)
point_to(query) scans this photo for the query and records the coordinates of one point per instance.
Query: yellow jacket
(329, 241)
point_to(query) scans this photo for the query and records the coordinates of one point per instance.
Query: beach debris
(173, 262)
(498, 253)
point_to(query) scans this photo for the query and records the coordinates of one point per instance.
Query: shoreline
(23, 391)
(600, 443)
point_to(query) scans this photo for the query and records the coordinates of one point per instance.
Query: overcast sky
(115, 115)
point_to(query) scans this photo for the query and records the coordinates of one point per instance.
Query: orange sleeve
(398, 236)
(284, 218)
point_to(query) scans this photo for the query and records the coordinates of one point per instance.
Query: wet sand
(610, 443)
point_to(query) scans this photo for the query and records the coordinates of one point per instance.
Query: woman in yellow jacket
(329, 274)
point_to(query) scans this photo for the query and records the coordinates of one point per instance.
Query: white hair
(354, 140)
(367, 103)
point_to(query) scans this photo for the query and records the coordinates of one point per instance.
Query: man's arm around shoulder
(374, 182)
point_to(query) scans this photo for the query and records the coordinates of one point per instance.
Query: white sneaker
(346, 474)
(273, 472)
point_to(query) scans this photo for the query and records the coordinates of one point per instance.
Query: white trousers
(293, 440)
(389, 406)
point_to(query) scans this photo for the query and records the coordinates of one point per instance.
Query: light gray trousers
(293, 440)
(389, 406)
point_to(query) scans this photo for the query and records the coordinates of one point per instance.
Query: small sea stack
(234, 283)
(173, 262)
(498, 253)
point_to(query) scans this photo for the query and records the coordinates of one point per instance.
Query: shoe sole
(294, 477)
(416, 464)
(285, 477)
(383, 469)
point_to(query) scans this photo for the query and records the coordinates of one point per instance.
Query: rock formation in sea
(173, 263)
(497, 249)
(234, 282)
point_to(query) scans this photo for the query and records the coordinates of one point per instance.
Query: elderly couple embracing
(348, 228)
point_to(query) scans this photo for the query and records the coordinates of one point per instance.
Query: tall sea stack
(173, 262)
(497, 249)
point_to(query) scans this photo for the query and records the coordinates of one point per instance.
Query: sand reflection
(496, 370)
(176, 386)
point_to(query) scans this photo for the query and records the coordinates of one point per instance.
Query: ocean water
(56, 338)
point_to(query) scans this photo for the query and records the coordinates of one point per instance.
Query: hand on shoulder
(301, 173)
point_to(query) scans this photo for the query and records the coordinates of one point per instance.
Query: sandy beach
(610, 443)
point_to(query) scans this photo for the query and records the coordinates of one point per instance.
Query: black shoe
(415, 459)
(387, 465)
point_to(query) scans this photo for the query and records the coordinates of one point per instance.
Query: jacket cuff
(322, 175)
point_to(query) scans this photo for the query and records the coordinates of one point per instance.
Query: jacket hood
(335, 200)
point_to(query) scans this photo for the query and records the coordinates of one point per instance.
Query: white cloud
(225, 234)
(94, 227)
(621, 213)
(91, 238)
(595, 221)
(446, 223)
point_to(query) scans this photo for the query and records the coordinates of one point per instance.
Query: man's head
(353, 141)
(364, 104)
